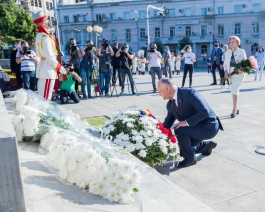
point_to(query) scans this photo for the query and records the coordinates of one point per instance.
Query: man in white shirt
(154, 58)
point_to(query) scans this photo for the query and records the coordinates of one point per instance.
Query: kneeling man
(197, 120)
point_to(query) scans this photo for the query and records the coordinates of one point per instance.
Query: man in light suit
(197, 120)
(216, 61)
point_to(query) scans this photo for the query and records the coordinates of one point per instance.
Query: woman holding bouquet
(232, 57)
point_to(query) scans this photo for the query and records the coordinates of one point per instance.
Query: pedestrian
(172, 63)
(46, 49)
(209, 65)
(225, 47)
(260, 55)
(196, 121)
(233, 56)
(28, 59)
(178, 63)
(216, 59)
(190, 59)
(167, 62)
(141, 65)
(104, 54)
(154, 59)
(15, 67)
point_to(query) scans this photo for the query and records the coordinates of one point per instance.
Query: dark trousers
(123, 74)
(187, 68)
(168, 70)
(209, 69)
(19, 80)
(65, 94)
(116, 71)
(29, 80)
(214, 66)
(190, 139)
(155, 71)
(2, 85)
(104, 79)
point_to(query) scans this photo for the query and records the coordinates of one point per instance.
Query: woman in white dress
(260, 55)
(232, 57)
(172, 62)
(178, 59)
(141, 65)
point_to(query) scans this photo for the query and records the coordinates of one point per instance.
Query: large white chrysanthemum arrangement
(142, 135)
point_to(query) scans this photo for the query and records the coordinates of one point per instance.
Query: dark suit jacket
(15, 68)
(193, 108)
(219, 53)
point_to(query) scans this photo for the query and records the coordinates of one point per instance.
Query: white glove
(62, 70)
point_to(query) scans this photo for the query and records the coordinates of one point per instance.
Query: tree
(15, 23)
(183, 42)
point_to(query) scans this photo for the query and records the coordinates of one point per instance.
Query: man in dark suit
(116, 65)
(197, 120)
(216, 60)
(15, 67)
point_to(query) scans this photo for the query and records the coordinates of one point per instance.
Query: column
(194, 47)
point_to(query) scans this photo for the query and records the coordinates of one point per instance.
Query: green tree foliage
(183, 42)
(15, 23)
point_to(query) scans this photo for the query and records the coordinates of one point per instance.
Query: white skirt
(236, 81)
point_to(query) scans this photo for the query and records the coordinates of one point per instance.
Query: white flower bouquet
(142, 135)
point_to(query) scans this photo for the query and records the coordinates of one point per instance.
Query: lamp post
(97, 30)
(137, 25)
(161, 9)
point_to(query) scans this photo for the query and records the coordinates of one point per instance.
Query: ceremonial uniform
(48, 66)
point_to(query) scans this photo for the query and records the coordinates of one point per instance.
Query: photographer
(154, 58)
(68, 87)
(167, 62)
(27, 58)
(126, 66)
(104, 53)
(15, 68)
(86, 65)
(74, 56)
(115, 62)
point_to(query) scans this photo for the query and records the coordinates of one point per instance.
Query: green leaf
(135, 190)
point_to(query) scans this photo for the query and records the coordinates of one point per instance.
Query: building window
(142, 14)
(85, 18)
(172, 31)
(112, 16)
(188, 30)
(238, 8)
(77, 36)
(256, 8)
(204, 11)
(76, 19)
(47, 5)
(66, 19)
(156, 14)
(127, 15)
(204, 50)
(172, 13)
(142, 33)
(255, 27)
(157, 32)
(113, 34)
(36, 3)
(128, 33)
(98, 17)
(52, 21)
(50, 6)
(203, 29)
(32, 3)
(40, 5)
(220, 29)
(187, 12)
(237, 29)
(220, 10)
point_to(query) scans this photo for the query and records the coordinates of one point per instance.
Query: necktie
(175, 106)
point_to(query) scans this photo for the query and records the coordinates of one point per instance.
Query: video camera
(25, 50)
(105, 44)
(89, 48)
(69, 66)
(73, 47)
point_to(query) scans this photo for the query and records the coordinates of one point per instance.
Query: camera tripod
(95, 80)
(128, 83)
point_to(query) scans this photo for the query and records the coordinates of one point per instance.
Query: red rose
(173, 139)
(165, 131)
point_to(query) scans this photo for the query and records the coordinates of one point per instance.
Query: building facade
(203, 21)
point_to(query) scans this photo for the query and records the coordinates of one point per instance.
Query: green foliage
(15, 23)
(97, 121)
(159, 47)
(183, 42)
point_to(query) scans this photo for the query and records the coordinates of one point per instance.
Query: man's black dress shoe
(211, 147)
(213, 84)
(187, 162)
